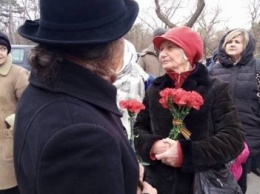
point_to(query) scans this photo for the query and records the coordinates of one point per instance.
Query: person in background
(148, 59)
(130, 81)
(13, 80)
(236, 65)
(217, 135)
(68, 134)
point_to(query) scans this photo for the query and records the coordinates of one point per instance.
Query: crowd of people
(63, 131)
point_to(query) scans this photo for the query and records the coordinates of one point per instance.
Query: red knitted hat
(185, 38)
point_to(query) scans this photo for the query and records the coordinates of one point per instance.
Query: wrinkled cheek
(168, 66)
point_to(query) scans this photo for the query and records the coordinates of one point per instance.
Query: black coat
(241, 79)
(69, 138)
(218, 115)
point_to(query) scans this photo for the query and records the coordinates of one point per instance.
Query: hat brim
(158, 40)
(112, 31)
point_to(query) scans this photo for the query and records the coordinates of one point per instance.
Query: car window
(20, 55)
(17, 55)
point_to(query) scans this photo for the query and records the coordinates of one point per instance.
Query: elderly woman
(13, 81)
(216, 132)
(236, 65)
(68, 134)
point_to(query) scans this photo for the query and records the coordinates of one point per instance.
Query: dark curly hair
(47, 59)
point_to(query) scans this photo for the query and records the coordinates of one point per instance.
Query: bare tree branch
(161, 16)
(194, 17)
(166, 15)
(146, 22)
(254, 12)
(207, 22)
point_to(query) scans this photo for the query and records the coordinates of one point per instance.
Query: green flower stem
(131, 140)
(178, 113)
(175, 131)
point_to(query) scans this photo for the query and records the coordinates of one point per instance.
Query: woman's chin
(167, 67)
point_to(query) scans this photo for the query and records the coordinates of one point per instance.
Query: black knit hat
(81, 21)
(5, 41)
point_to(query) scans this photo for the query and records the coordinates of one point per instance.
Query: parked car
(20, 55)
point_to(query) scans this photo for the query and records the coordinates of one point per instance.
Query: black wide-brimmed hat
(80, 21)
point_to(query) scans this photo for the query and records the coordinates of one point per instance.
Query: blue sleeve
(149, 81)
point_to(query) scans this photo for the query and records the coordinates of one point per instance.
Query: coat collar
(76, 81)
(5, 68)
(199, 76)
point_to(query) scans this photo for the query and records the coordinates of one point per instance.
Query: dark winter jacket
(217, 116)
(242, 86)
(69, 138)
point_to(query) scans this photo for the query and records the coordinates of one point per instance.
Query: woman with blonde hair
(236, 65)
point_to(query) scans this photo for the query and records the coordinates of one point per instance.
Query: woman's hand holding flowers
(159, 147)
(171, 155)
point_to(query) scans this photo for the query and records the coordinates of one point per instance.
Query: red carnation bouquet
(179, 102)
(133, 107)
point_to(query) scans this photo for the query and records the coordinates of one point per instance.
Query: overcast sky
(234, 11)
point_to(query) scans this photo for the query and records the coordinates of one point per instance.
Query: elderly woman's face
(234, 47)
(172, 58)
